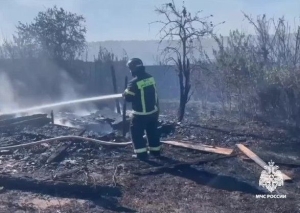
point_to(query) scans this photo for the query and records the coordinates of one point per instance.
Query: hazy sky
(128, 19)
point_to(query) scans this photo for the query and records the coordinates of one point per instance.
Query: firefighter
(141, 92)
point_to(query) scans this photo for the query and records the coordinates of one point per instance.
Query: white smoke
(67, 87)
(69, 91)
(31, 87)
(8, 96)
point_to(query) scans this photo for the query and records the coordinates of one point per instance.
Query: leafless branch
(184, 28)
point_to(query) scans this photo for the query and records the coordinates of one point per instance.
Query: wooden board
(200, 147)
(40, 121)
(256, 159)
(10, 121)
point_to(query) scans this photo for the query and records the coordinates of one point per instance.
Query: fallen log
(13, 120)
(257, 159)
(40, 121)
(5, 117)
(200, 147)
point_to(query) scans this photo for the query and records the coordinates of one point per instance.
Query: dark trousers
(140, 124)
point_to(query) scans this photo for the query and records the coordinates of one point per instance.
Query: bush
(258, 74)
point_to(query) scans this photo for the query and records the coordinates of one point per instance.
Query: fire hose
(66, 138)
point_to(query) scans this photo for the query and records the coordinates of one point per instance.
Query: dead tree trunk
(114, 81)
(178, 26)
(184, 85)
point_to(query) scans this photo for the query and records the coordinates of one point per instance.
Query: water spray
(98, 98)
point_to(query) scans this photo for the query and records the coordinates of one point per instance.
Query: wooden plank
(256, 159)
(9, 121)
(40, 121)
(200, 147)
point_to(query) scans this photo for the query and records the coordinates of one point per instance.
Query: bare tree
(183, 32)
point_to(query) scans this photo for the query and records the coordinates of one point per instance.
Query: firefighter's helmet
(134, 64)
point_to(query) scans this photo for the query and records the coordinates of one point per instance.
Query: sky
(129, 19)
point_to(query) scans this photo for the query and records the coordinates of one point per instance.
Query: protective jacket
(141, 92)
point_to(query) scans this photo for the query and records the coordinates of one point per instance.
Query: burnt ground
(91, 178)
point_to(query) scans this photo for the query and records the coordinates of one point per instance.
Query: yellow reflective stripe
(143, 100)
(155, 148)
(141, 150)
(145, 82)
(156, 99)
(129, 92)
(146, 113)
(141, 85)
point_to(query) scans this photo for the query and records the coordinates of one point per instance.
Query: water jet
(45, 106)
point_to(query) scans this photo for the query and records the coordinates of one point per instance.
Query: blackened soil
(93, 178)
